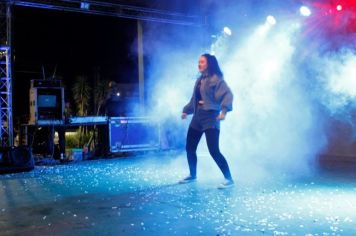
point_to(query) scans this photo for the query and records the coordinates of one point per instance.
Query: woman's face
(203, 64)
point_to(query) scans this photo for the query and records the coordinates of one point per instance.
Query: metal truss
(6, 130)
(116, 10)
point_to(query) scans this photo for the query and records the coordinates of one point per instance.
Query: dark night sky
(76, 43)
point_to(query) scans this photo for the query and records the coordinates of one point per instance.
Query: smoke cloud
(280, 101)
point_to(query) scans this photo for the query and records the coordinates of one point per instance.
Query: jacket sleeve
(189, 108)
(224, 95)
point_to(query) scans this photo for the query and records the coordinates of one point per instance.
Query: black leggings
(212, 139)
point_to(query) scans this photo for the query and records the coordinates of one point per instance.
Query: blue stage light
(227, 31)
(305, 11)
(85, 5)
(271, 20)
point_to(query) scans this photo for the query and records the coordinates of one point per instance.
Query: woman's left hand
(221, 116)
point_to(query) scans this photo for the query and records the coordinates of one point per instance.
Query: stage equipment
(133, 134)
(45, 83)
(46, 103)
(88, 120)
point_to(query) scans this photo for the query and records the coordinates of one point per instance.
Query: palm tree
(81, 94)
(100, 93)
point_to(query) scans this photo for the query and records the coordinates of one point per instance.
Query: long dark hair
(213, 65)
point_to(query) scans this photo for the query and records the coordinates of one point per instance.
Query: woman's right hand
(184, 116)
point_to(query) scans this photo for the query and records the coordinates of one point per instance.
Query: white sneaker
(228, 183)
(187, 180)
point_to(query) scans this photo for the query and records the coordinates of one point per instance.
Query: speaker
(16, 159)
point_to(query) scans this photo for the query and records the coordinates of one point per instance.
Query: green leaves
(82, 95)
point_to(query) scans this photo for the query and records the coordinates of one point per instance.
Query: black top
(197, 92)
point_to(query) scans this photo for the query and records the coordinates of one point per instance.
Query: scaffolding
(108, 8)
(6, 130)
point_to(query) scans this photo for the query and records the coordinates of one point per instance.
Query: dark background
(77, 44)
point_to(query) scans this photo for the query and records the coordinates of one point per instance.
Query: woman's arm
(224, 95)
(189, 108)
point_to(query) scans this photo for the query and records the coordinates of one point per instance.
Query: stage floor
(139, 196)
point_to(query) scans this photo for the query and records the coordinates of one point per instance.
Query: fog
(282, 93)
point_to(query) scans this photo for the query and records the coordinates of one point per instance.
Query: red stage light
(331, 17)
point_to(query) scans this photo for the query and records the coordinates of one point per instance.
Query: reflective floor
(140, 196)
